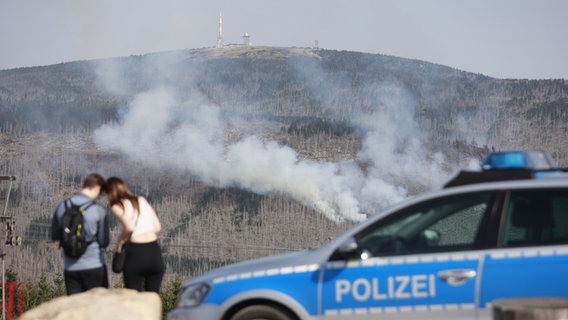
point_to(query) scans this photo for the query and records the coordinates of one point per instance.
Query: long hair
(117, 190)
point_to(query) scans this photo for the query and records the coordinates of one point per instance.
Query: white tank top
(145, 221)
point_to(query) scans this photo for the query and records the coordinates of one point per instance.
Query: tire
(263, 312)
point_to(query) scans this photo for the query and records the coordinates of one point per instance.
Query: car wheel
(263, 312)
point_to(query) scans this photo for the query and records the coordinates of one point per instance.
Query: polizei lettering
(397, 287)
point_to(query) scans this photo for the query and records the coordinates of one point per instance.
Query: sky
(519, 39)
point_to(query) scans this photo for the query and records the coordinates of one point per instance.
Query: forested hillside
(250, 151)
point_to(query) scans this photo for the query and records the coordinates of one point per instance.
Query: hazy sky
(498, 38)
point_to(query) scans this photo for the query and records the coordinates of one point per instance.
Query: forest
(253, 151)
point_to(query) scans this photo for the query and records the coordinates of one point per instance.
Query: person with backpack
(143, 264)
(82, 228)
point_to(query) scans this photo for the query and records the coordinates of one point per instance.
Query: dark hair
(93, 180)
(117, 190)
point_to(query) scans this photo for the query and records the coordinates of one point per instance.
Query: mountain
(293, 84)
(248, 150)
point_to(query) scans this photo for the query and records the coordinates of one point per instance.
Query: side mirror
(346, 250)
(347, 247)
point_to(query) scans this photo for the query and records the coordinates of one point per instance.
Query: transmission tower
(220, 36)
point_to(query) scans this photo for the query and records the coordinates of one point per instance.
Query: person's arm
(157, 224)
(127, 225)
(104, 229)
(55, 234)
(155, 221)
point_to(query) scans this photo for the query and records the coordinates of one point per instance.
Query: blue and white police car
(446, 254)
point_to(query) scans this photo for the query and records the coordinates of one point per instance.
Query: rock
(530, 309)
(100, 303)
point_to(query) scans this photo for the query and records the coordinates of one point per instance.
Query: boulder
(100, 303)
(536, 308)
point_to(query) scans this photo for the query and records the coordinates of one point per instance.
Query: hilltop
(294, 83)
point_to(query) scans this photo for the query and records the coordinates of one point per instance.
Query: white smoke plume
(159, 130)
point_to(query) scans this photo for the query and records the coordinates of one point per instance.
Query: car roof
(521, 184)
(465, 177)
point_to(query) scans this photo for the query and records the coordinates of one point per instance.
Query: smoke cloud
(159, 129)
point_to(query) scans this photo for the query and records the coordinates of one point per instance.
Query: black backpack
(73, 240)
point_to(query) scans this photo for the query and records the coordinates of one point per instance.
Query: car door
(533, 255)
(419, 262)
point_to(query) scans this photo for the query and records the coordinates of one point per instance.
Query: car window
(445, 224)
(536, 218)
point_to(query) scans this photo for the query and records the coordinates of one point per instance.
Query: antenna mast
(220, 36)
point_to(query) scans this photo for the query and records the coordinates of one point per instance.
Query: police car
(441, 255)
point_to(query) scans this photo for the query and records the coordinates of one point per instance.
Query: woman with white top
(144, 265)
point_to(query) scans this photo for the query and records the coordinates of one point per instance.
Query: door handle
(456, 277)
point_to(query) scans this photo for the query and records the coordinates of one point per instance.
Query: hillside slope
(248, 151)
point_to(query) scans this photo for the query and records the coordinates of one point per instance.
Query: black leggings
(143, 267)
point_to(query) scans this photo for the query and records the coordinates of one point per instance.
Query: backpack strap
(68, 204)
(87, 206)
(90, 203)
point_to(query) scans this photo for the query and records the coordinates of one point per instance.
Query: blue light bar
(505, 160)
(510, 160)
